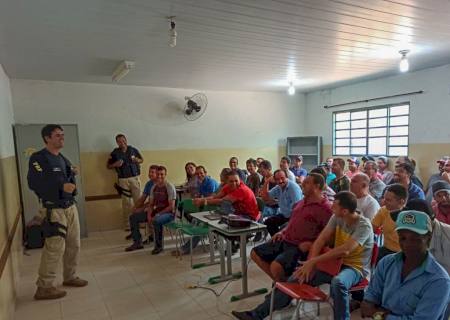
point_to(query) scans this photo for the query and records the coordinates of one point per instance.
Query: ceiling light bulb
(404, 63)
(291, 89)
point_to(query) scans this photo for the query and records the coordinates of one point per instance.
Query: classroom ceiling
(222, 44)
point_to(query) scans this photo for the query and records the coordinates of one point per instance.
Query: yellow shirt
(383, 219)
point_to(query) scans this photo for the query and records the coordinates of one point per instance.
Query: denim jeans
(135, 219)
(339, 286)
(159, 221)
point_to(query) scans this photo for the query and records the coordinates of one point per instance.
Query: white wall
(429, 112)
(6, 117)
(152, 119)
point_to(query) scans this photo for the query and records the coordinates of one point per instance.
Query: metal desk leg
(212, 257)
(245, 293)
(229, 268)
(224, 277)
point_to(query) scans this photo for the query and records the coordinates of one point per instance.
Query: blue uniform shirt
(423, 294)
(128, 168)
(208, 186)
(415, 192)
(299, 172)
(287, 197)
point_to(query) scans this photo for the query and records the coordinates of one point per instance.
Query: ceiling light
(404, 64)
(122, 69)
(291, 89)
(172, 32)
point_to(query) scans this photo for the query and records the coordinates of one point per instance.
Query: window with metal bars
(381, 130)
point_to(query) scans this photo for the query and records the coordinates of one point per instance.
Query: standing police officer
(126, 161)
(52, 177)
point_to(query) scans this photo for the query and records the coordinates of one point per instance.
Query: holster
(52, 229)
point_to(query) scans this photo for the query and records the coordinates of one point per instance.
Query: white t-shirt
(368, 206)
(291, 175)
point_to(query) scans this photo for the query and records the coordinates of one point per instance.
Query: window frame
(388, 127)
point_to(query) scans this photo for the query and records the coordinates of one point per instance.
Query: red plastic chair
(305, 293)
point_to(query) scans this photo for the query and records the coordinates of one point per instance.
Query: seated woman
(395, 197)
(191, 183)
(410, 284)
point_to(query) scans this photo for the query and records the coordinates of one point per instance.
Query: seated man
(236, 192)
(402, 174)
(353, 167)
(288, 193)
(278, 258)
(341, 182)
(285, 163)
(139, 212)
(353, 242)
(395, 198)
(161, 207)
(299, 172)
(435, 178)
(441, 203)
(327, 191)
(265, 169)
(383, 169)
(376, 186)
(234, 166)
(327, 166)
(409, 284)
(254, 178)
(366, 204)
(206, 185)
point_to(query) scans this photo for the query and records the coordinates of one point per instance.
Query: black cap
(367, 158)
(440, 186)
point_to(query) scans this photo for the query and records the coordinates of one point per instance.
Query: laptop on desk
(226, 208)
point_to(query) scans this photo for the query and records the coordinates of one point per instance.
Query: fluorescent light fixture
(404, 63)
(122, 70)
(291, 89)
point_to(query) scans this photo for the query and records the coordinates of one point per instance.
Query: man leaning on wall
(126, 160)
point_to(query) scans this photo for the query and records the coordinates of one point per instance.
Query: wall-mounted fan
(195, 106)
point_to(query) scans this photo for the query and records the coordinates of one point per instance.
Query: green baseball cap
(415, 221)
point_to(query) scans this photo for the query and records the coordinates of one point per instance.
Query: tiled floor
(137, 285)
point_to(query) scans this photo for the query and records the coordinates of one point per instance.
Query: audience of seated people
(341, 182)
(366, 204)
(278, 257)
(299, 172)
(410, 284)
(394, 200)
(288, 193)
(353, 167)
(307, 228)
(435, 178)
(376, 185)
(352, 236)
(254, 178)
(234, 166)
(383, 169)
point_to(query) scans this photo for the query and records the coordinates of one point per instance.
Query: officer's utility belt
(53, 228)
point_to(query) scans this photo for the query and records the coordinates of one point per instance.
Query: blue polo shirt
(208, 186)
(423, 294)
(415, 192)
(287, 197)
(298, 172)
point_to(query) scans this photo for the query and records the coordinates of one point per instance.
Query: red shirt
(244, 201)
(442, 213)
(307, 220)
